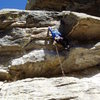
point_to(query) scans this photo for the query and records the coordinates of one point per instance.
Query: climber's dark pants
(64, 42)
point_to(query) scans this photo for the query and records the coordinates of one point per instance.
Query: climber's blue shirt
(55, 33)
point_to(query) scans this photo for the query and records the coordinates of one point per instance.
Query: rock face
(27, 52)
(80, 26)
(22, 32)
(62, 88)
(24, 48)
(86, 6)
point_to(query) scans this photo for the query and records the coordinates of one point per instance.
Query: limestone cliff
(27, 54)
(24, 50)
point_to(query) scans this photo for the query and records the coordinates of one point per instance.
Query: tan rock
(81, 26)
(86, 6)
(81, 58)
(4, 74)
(36, 63)
(26, 51)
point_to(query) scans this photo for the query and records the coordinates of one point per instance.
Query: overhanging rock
(80, 26)
(91, 7)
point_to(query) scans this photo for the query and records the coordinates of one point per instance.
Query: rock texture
(24, 48)
(86, 6)
(26, 53)
(62, 88)
(18, 33)
(80, 26)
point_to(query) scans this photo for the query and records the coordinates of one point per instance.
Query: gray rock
(24, 48)
(25, 53)
(22, 31)
(28, 28)
(61, 88)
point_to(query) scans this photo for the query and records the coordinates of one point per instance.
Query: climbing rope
(61, 66)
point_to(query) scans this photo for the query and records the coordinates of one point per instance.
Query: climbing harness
(61, 66)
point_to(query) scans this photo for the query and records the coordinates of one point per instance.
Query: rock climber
(58, 38)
